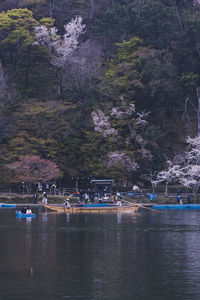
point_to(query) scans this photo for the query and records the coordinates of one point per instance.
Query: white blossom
(102, 124)
(105, 124)
(141, 119)
(125, 110)
(171, 174)
(60, 47)
(187, 172)
(122, 159)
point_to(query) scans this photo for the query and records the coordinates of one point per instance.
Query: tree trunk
(51, 5)
(91, 9)
(59, 84)
(198, 110)
(166, 189)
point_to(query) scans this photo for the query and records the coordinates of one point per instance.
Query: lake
(143, 256)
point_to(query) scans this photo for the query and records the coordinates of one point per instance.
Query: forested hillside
(98, 87)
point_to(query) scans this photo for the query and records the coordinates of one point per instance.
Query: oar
(135, 204)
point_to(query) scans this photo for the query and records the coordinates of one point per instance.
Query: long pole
(142, 206)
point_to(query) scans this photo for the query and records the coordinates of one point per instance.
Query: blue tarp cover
(176, 207)
(96, 205)
(7, 205)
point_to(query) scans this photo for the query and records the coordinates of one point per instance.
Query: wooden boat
(177, 207)
(22, 215)
(92, 208)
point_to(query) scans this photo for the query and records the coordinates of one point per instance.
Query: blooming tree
(102, 123)
(172, 173)
(60, 47)
(187, 172)
(124, 126)
(122, 159)
(32, 168)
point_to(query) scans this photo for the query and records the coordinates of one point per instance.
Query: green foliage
(48, 22)
(16, 28)
(148, 53)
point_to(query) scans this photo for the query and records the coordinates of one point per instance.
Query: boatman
(67, 203)
(44, 200)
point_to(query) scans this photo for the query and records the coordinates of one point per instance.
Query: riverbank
(27, 199)
(59, 199)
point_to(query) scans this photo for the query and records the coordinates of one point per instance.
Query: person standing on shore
(35, 197)
(179, 200)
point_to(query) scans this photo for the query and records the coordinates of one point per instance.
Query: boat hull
(91, 209)
(177, 207)
(21, 215)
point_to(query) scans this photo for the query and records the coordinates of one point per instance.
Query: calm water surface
(146, 256)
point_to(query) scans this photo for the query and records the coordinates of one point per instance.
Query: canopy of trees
(67, 66)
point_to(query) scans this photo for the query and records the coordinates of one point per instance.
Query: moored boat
(22, 215)
(176, 207)
(7, 205)
(92, 208)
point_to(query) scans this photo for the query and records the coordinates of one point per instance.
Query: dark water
(116, 257)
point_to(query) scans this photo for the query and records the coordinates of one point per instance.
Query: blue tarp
(177, 207)
(96, 205)
(7, 205)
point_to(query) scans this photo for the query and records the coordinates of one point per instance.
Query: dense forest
(103, 89)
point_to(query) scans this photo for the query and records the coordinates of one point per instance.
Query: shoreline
(27, 199)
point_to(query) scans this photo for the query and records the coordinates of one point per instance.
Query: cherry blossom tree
(60, 47)
(122, 159)
(173, 173)
(102, 123)
(123, 126)
(33, 169)
(187, 172)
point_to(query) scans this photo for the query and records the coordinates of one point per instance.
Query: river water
(143, 256)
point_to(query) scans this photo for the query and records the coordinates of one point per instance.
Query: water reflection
(94, 257)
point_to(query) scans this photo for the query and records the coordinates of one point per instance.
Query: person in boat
(23, 210)
(101, 197)
(67, 203)
(119, 203)
(28, 211)
(86, 198)
(81, 193)
(44, 199)
(89, 192)
(92, 196)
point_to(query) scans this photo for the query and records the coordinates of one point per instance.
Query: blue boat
(176, 207)
(21, 215)
(7, 205)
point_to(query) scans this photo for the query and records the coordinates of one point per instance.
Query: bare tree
(7, 91)
(196, 109)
